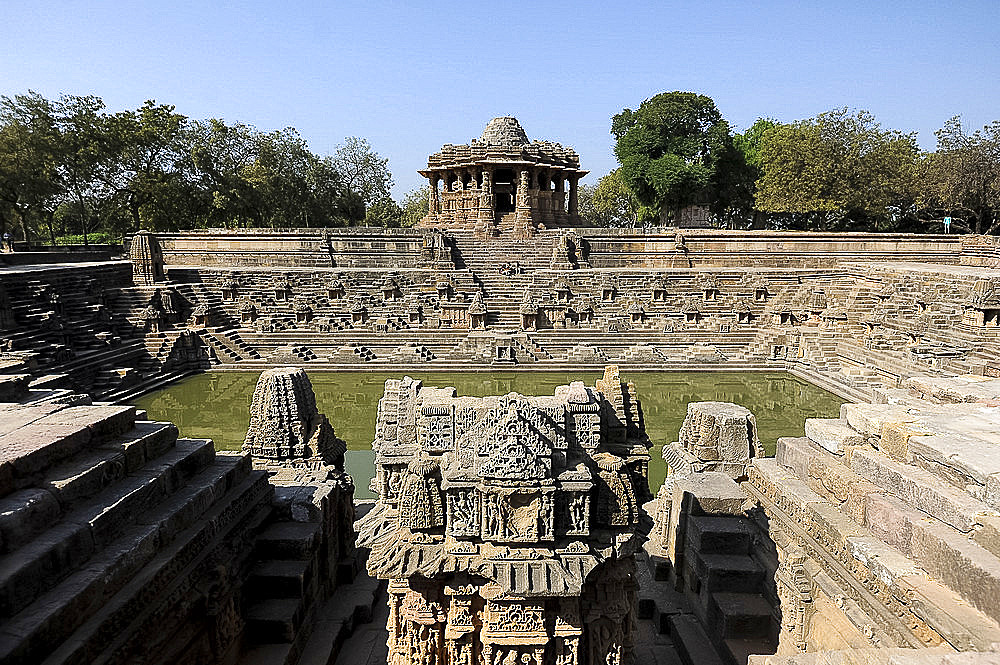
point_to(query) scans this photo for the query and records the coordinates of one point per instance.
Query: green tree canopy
(616, 203)
(414, 205)
(70, 166)
(962, 178)
(363, 170)
(839, 170)
(670, 149)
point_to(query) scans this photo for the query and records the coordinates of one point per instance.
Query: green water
(216, 405)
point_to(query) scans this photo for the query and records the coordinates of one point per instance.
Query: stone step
(724, 535)
(920, 489)
(274, 620)
(691, 642)
(270, 654)
(136, 604)
(32, 569)
(949, 556)
(738, 651)
(833, 434)
(288, 540)
(84, 475)
(740, 615)
(35, 438)
(279, 579)
(61, 609)
(726, 572)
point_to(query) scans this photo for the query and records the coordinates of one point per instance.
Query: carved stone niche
(230, 288)
(248, 312)
(661, 290)
(282, 289)
(517, 515)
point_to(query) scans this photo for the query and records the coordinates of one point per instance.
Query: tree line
(71, 169)
(838, 171)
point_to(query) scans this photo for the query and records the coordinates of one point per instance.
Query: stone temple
(508, 528)
(507, 525)
(501, 183)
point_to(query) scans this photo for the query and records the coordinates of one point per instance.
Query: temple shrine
(502, 184)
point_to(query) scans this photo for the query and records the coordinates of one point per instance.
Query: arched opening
(505, 203)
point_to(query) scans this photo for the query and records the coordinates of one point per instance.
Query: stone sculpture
(286, 427)
(507, 525)
(147, 260)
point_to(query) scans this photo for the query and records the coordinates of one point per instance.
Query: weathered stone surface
(832, 434)
(920, 489)
(708, 493)
(538, 496)
(869, 420)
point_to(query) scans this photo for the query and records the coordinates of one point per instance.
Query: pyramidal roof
(505, 130)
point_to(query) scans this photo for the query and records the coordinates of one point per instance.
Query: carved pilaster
(524, 226)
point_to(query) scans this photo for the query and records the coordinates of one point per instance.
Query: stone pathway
(367, 645)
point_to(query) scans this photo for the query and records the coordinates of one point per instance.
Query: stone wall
(610, 248)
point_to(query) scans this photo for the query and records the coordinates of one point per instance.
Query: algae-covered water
(216, 405)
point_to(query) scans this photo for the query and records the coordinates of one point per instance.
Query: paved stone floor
(367, 645)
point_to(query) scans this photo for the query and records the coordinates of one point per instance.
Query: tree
(362, 170)
(414, 205)
(839, 171)
(87, 150)
(616, 204)
(962, 178)
(669, 149)
(147, 176)
(745, 171)
(29, 154)
(385, 213)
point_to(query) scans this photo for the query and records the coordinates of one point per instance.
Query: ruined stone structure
(871, 539)
(507, 525)
(146, 258)
(503, 184)
(122, 543)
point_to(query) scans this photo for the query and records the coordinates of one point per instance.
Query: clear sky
(410, 76)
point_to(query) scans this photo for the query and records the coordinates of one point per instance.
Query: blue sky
(410, 76)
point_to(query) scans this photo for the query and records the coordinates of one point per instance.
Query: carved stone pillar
(523, 223)
(486, 219)
(574, 204)
(433, 202)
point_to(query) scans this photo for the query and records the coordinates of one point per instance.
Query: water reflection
(216, 405)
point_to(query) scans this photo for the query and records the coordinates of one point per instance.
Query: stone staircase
(106, 523)
(896, 493)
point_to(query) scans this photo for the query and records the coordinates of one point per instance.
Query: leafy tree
(616, 204)
(148, 176)
(962, 178)
(385, 213)
(87, 152)
(670, 148)
(414, 205)
(839, 170)
(744, 173)
(29, 154)
(362, 170)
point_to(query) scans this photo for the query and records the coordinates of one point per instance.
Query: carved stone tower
(507, 525)
(286, 427)
(147, 260)
(502, 183)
